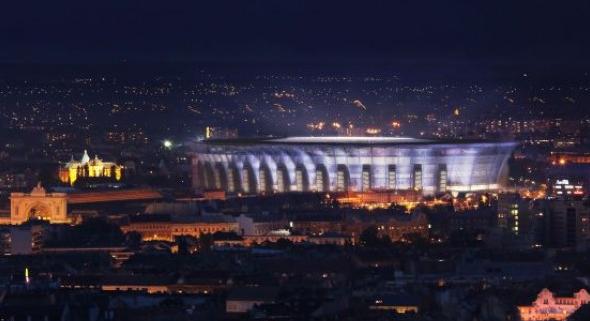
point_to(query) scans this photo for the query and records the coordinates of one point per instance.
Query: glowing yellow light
(73, 175)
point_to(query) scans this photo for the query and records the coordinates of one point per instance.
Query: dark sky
(295, 30)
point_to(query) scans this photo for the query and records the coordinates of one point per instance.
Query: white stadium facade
(348, 164)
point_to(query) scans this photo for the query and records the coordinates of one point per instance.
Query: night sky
(295, 31)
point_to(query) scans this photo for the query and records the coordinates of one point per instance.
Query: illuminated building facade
(563, 158)
(155, 227)
(549, 307)
(348, 164)
(564, 188)
(86, 167)
(38, 204)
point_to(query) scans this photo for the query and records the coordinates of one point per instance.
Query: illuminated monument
(341, 164)
(38, 204)
(86, 167)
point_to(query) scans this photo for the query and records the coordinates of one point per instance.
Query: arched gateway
(38, 205)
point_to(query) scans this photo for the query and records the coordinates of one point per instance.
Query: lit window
(417, 177)
(281, 181)
(319, 180)
(442, 179)
(391, 178)
(231, 187)
(245, 180)
(341, 180)
(299, 180)
(262, 180)
(366, 178)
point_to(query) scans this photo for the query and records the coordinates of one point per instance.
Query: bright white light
(167, 144)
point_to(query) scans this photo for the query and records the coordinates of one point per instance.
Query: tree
(370, 238)
(133, 240)
(92, 232)
(205, 242)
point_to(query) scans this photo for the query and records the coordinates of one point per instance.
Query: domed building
(86, 167)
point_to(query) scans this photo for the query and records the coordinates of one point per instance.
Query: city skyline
(295, 160)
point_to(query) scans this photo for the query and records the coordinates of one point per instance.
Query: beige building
(154, 227)
(38, 204)
(547, 306)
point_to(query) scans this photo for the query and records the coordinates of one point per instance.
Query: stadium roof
(336, 140)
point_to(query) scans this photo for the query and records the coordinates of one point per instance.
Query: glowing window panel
(231, 187)
(442, 179)
(262, 180)
(245, 181)
(366, 178)
(340, 181)
(217, 177)
(281, 181)
(299, 180)
(391, 178)
(418, 178)
(319, 181)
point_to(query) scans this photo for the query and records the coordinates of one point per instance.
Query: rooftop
(313, 140)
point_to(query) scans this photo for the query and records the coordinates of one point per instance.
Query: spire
(85, 157)
(38, 190)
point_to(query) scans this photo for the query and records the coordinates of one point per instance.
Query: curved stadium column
(234, 183)
(210, 176)
(221, 175)
(249, 183)
(283, 182)
(366, 178)
(265, 184)
(200, 175)
(322, 157)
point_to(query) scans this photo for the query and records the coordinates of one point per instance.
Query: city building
(161, 227)
(89, 168)
(547, 306)
(397, 227)
(514, 213)
(243, 299)
(26, 239)
(566, 188)
(348, 164)
(399, 304)
(563, 158)
(567, 223)
(258, 225)
(38, 204)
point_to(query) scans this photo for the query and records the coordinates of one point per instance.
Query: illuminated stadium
(348, 164)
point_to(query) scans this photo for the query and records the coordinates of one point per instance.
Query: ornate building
(86, 167)
(549, 307)
(38, 205)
